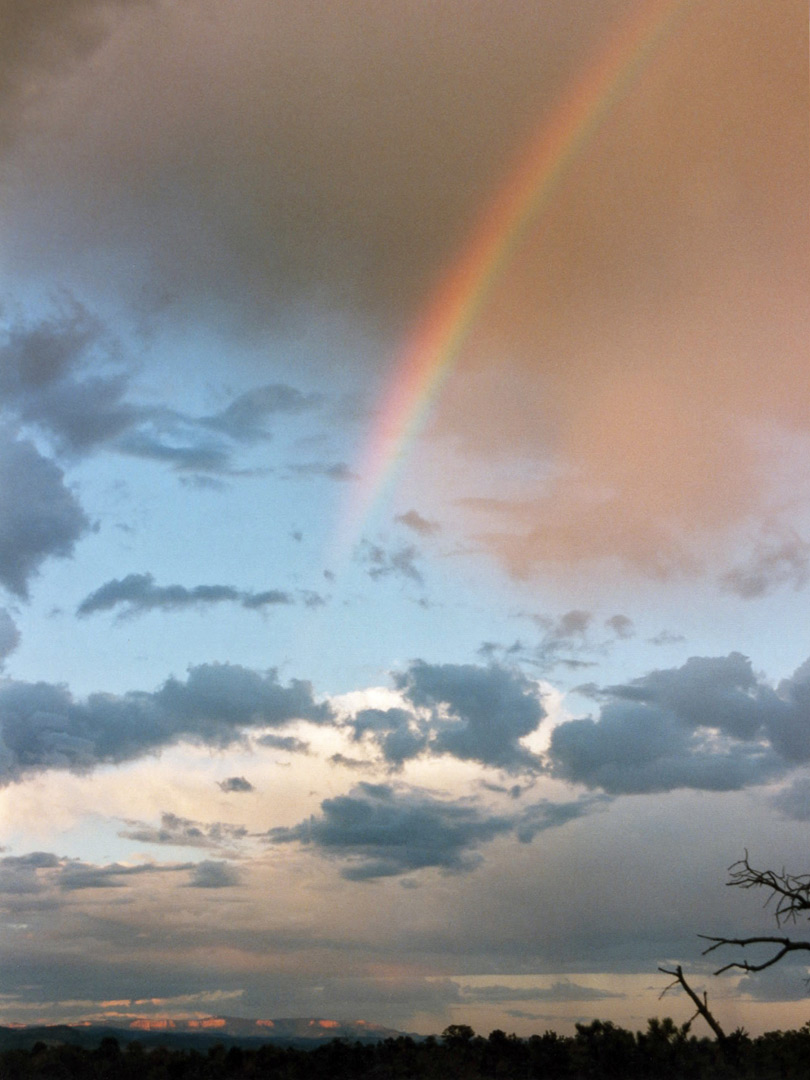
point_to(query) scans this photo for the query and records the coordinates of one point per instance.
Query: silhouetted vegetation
(598, 1050)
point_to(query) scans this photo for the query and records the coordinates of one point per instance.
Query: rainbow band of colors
(430, 354)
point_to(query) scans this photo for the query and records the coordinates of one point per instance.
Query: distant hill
(301, 1032)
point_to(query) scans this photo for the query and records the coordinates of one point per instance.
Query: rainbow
(429, 355)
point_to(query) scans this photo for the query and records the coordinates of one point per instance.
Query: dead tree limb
(791, 893)
(788, 945)
(702, 1005)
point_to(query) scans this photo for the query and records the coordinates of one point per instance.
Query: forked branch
(701, 1004)
(792, 895)
(792, 891)
(787, 945)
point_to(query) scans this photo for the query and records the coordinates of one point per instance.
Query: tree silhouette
(791, 894)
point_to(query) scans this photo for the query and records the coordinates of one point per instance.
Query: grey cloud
(348, 762)
(139, 593)
(214, 875)
(709, 724)
(338, 471)
(203, 482)
(312, 599)
(720, 692)
(300, 216)
(570, 626)
(183, 832)
(39, 516)
(383, 832)
(46, 38)
(787, 982)
(398, 563)
(635, 748)
(244, 419)
(397, 732)
(31, 873)
(780, 562)
(559, 991)
(567, 638)
(45, 379)
(284, 742)
(621, 625)
(18, 873)
(195, 453)
(54, 374)
(412, 992)
(9, 635)
(43, 727)
(794, 801)
(414, 520)
(550, 815)
(76, 875)
(235, 784)
(666, 637)
(264, 599)
(35, 860)
(476, 713)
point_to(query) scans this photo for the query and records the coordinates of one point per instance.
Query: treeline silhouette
(598, 1050)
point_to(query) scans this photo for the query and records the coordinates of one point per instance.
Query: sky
(404, 522)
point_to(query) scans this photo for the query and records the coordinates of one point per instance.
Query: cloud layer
(43, 727)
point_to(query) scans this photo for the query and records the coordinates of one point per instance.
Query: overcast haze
(487, 761)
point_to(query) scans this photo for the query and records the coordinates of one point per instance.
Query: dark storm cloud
(414, 520)
(43, 727)
(183, 832)
(235, 784)
(193, 155)
(214, 875)
(784, 562)
(39, 516)
(383, 832)
(304, 191)
(45, 37)
(139, 593)
(476, 713)
(710, 724)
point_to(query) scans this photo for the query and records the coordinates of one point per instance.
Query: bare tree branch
(702, 1006)
(792, 890)
(787, 944)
